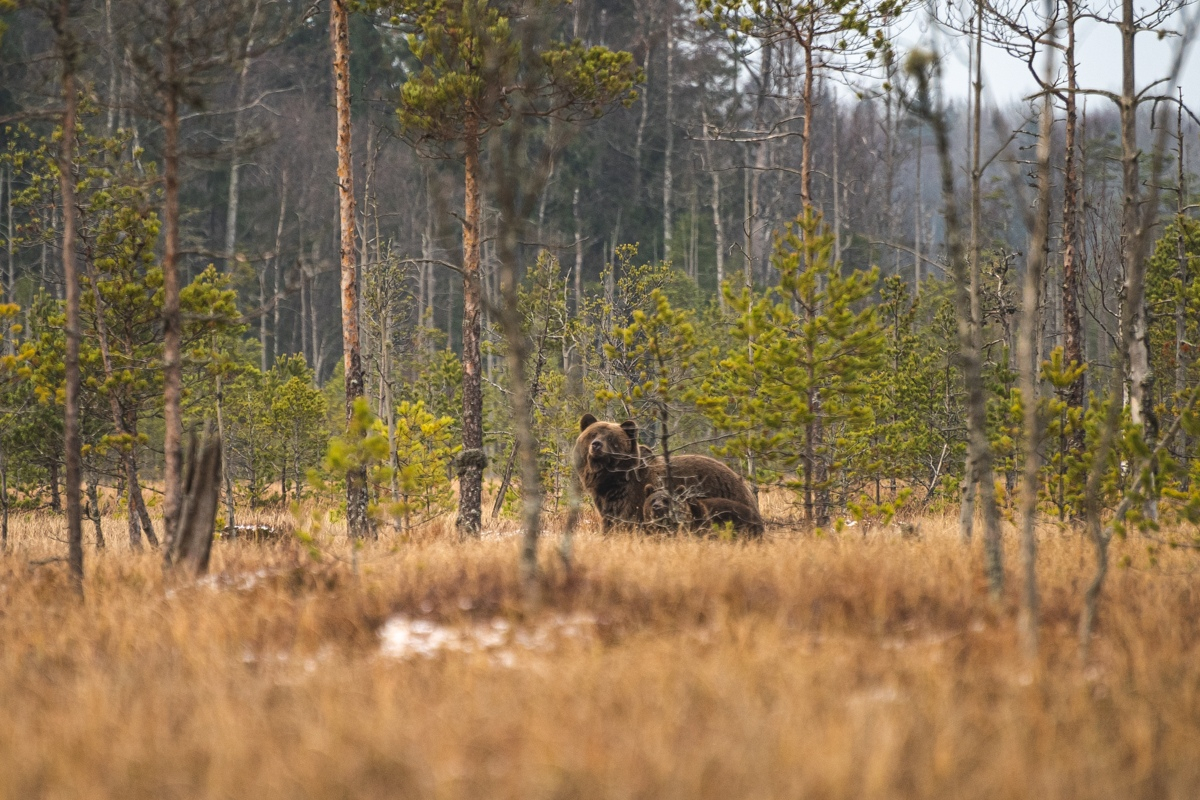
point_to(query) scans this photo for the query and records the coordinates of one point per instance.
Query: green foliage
(796, 384)
(480, 63)
(425, 450)
(914, 442)
(1064, 468)
(364, 447)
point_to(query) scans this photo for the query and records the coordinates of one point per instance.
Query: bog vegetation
(378, 259)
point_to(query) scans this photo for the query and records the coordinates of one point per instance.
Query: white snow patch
(404, 637)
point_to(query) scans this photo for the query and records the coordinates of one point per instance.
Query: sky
(1098, 52)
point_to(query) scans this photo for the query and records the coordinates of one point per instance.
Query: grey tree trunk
(667, 219)
(231, 205)
(965, 301)
(966, 516)
(1027, 357)
(1140, 377)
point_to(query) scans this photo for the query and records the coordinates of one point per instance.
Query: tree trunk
(471, 460)
(718, 226)
(277, 265)
(226, 477)
(644, 96)
(1181, 274)
(966, 514)
(809, 103)
(66, 170)
(837, 188)
(93, 510)
(231, 204)
(10, 281)
(172, 318)
(1140, 377)
(1028, 361)
(667, 219)
(966, 301)
(339, 34)
(1072, 326)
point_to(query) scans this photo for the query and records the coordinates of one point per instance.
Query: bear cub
(702, 513)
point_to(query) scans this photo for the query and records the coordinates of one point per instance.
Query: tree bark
(10, 282)
(966, 300)
(966, 514)
(231, 204)
(172, 318)
(66, 169)
(1027, 357)
(1072, 327)
(277, 267)
(339, 34)
(667, 218)
(1140, 377)
(472, 460)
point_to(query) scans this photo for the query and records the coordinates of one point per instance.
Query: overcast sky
(1098, 51)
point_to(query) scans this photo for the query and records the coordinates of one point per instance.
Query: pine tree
(798, 378)
(472, 55)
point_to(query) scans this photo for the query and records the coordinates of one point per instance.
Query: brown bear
(700, 514)
(615, 469)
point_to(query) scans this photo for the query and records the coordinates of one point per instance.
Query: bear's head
(658, 504)
(606, 447)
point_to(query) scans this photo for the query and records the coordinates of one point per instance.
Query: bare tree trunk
(1027, 358)
(66, 170)
(10, 282)
(93, 510)
(1073, 329)
(966, 516)
(1137, 224)
(965, 299)
(837, 189)
(1140, 377)
(918, 214)
(667, 218)
(339, 34)
(172, 318)
(304, 328)
(231, 205)
(1181, 274)
(472, 460)
(809, 104)
(718, 227)
(578, 276)
(110, 41)
(277, 265)
(227, 478)
(644, 94)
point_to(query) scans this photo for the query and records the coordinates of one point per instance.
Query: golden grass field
(802, 667)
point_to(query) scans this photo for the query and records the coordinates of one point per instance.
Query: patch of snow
(404, 637)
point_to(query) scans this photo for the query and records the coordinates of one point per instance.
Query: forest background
(756, 228)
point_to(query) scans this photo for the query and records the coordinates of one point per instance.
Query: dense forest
(758, 228)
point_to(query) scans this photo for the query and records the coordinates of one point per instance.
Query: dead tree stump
(191, 542)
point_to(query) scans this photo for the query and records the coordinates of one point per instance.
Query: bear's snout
(596, 448)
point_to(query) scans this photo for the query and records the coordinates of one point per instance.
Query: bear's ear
(631, 430)
(585, 422)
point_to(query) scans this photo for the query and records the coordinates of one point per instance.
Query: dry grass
(840, 667)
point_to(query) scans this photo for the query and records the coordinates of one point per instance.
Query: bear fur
(614, 470)
(700, 514)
